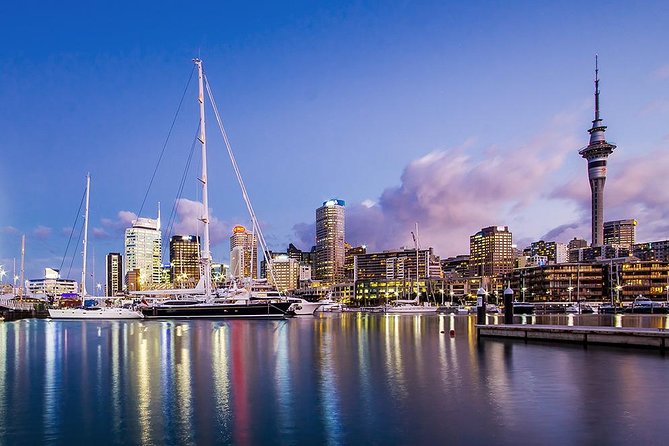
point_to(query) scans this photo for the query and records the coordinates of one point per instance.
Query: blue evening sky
(324, 99)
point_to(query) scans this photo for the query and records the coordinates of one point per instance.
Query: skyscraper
(620, 232)
(330, 251)
(185, 260)
(113, 274)
(596, 153)
(490, 252)
(143, 249)
(243, 253)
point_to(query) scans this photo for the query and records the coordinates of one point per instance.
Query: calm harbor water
(333, 379)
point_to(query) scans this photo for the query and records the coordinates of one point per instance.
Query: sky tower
(596, 153)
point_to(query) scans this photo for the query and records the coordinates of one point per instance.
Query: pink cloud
(42, 232)
(9, 230)
(187, 222)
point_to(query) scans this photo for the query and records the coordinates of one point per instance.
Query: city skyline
(408, 140)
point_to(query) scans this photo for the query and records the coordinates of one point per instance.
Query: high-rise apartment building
(620, 232)
(113, 274)
(143, 250)
(553, 251)
(243, 253)
(490, 252)
(596, 152)
(330, 251)
(185, 260)
(658, 250)
(285, 272)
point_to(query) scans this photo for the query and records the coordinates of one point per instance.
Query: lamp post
(452, 293)
(99, 287)
(442, 297)
(618, 288)
(523, 289)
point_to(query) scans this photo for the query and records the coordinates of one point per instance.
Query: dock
(656, 338)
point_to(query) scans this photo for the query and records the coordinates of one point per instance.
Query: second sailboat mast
(206, 253)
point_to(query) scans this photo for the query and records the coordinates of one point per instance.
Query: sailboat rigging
(203, 302)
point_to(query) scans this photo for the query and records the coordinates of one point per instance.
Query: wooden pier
(657, 338)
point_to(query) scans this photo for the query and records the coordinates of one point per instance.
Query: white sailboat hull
(411, 309)
(98, 313)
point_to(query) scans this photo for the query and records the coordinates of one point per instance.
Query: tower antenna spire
(596, 88)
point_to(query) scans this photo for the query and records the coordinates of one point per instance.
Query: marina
(336, 378)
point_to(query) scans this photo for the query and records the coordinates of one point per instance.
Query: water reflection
(336, 379)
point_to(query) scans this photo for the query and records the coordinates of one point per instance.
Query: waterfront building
(394, 274)
(576, 243)
(559, 282)
(113, 274)
(597, 152)
(285, 272)
(243, 253)
(330, 251)
(185, 260)
(349, 259)
(647, 278)
(490, 252)
(52, 285)
(658, 250)
(143, 249)
(620, 233)
(457, 266)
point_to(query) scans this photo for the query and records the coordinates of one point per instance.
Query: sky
(455, 115)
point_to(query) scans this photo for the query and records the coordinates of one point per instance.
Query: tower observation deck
(596, 152)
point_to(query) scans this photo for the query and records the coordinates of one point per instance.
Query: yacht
(95, 312)
(643, 305)
(302, 307)
(203, 302)
(410, 307)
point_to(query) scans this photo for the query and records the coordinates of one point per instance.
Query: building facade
(185, 260)
(52, 285)
(652, 250)
(143, 250)
(620, 233)
(285, 273)
(113, 274)
(490, 252)
(330, 250)
(243, 253)
(564, 282)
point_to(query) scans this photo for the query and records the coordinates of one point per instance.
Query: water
(334, 379)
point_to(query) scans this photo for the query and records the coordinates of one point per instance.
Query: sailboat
(412, 306)
(204, 304)
(95, 312)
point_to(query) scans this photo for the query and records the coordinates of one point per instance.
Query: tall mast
(206, 254)
(83, 269)
(23, 265)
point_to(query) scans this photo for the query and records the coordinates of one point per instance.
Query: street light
(523, 289)
(618, 288)
(442, 296)
(99, 287)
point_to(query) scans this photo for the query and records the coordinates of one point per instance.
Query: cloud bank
(453, 193)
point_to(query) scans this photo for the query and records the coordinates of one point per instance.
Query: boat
(410, 307)
(205, 302)
(644, 305)
(610, 309)
(94, 312)
(523, 308)
(329, 305)
(302, 307)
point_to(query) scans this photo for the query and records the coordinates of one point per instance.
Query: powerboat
(194, 308)
(302, 307)
(643, 305)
